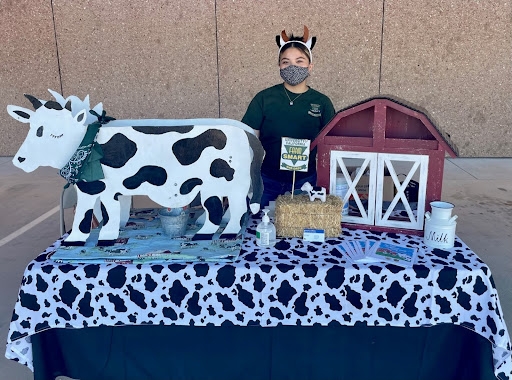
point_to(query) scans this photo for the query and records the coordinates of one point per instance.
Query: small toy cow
(315, 192)
(170, 161)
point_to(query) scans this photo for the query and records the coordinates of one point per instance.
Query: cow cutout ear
(81, 116)
(20, 114)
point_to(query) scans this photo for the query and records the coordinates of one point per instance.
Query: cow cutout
(170, 161)
(314, 192)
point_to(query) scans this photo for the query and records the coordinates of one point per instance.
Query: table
(293, 292)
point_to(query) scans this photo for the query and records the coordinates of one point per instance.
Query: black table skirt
(246, 353)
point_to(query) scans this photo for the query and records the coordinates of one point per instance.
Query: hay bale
(293, 215)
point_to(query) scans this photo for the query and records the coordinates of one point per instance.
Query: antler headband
(307, 41)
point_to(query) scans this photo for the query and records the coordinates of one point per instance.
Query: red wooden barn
(385, 125)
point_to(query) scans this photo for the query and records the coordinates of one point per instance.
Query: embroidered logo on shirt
(315, 110)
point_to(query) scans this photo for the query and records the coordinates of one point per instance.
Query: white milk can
(440, 225)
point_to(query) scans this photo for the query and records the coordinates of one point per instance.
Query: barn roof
(402, 120)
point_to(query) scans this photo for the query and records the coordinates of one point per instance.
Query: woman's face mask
(293, 75)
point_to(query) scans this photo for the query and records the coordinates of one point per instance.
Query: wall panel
(28, 63)
(454, 59)
(142, 59)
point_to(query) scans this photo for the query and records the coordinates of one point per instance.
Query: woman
(289, 109)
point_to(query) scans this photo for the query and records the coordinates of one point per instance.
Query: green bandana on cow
(85, 163)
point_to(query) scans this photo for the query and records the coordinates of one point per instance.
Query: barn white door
(342, 162)
(382, 179)
(402, 168)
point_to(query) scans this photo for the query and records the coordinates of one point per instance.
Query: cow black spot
(187, 151)
(220, 168)
(154, 175)
(41, 284)
(47, 268)
(193, 306)
(463, 299)
(245, 297)
(157, 268)
(368, 284)
(177, 292)
(395, 293)
(334, 303)
(282, 245)
(284, 268)
(227, 303)
(188, 185)
(91, 188)
(91, 270)
(226, 276)
(285, 292)
(385, 313)
(116, 277)
(150, 130)
(85, 223)
(353, 297)
(118, 302)
(447, 278)
(310, 270)
(444, 305)
(137, 297)
(479, 287)
(42, 326)
(84, 305)
(175, 268)
(201, 270)
(258, 284)
(116, 196)
(441, 253)
(214, 207)
(276, 313)
(461, 259)
(150, 284)
(491, 324)
(170, 313)
(68, 293)
(300, 305)
(410, 308)
(29, 301)
(63, 314)
(266, 268)
(118, 151)
(335, 276)
(394, 268)
(421, 271)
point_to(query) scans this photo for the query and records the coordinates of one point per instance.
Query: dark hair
(297, 45)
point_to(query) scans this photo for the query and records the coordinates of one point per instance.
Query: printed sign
(294, 154)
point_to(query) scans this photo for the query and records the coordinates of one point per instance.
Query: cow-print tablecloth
(294, 283)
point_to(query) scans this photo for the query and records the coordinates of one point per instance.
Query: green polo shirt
(270, 112)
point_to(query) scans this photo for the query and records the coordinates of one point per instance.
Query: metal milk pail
(440, 226)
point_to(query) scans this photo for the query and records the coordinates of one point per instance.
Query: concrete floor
(480, 188)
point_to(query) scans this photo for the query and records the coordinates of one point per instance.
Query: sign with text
(294, 154)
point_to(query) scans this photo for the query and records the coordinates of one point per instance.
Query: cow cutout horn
(36, 103)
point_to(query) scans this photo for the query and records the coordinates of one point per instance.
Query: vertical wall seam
(56, 48)
(217, 53)
(381, 42)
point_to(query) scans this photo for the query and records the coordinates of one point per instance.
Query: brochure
(394, 254)
(370, 251)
